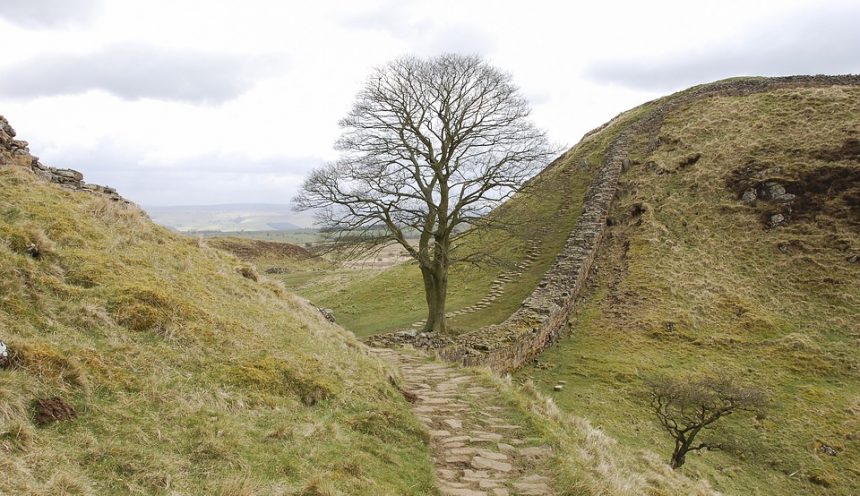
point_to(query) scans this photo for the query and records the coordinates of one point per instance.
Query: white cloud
(166, 99)
(48, 13)
(811, 41)
(135, 71)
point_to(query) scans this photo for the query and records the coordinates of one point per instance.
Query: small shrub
(688, 405)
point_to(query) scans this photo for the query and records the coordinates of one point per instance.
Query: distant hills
(230, 217)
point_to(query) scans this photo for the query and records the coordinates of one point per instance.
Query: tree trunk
(678, 460)
(436, 292)
(680, 454)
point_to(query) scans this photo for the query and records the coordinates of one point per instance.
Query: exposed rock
(776, 219)
(480, 462)
(14, 152)
(827, 450)
(749, 196)
(772, 190)
(410, 337)
(50, 410)
(4, 355)
(328, 314)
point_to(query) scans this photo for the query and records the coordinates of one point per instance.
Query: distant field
(302, 237)
(230, 217)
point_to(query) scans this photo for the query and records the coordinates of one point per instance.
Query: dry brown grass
(179, 366)
(693, 279)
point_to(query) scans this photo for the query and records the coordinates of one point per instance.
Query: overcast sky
(208, 102)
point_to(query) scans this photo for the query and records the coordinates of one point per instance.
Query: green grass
(699, 283)
(187, 377)
(377, 301)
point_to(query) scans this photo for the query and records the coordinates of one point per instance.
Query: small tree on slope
(429, 148)
(687, 406)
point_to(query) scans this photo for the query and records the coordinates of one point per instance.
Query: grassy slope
(187, 377)
(698, 283)
(377, 301)
(272, 257)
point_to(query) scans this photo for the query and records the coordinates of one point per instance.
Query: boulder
(772, 190)
(328, 314)
(776, 220)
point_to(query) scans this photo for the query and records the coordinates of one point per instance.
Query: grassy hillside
(710, 267)
(543, 214)
(185, 377)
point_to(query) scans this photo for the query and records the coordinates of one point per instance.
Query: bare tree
(687, 406)
(429, 148)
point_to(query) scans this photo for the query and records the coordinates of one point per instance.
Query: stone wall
(16, 153)
(543, 315)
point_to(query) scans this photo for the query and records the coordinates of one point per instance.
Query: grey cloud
(825, 40)
(427, 36)
(48, 13)
(201, 180)
(138, 71)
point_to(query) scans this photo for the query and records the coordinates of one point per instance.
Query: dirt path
(477, 449)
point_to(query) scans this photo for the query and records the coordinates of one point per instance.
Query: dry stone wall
(16, 153)
(543, 315)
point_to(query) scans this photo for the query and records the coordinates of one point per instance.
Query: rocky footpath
(477, 449)
(16, 153)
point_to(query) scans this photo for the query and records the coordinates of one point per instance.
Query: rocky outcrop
(16, 153)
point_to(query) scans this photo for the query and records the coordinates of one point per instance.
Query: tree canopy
(429, 148)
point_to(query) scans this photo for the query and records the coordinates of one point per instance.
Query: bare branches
(684, 407)
(448, 132)
(429, 148)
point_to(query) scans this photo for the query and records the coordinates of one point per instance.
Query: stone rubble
(16, 153)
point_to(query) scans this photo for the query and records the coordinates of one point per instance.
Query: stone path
(477, 451)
